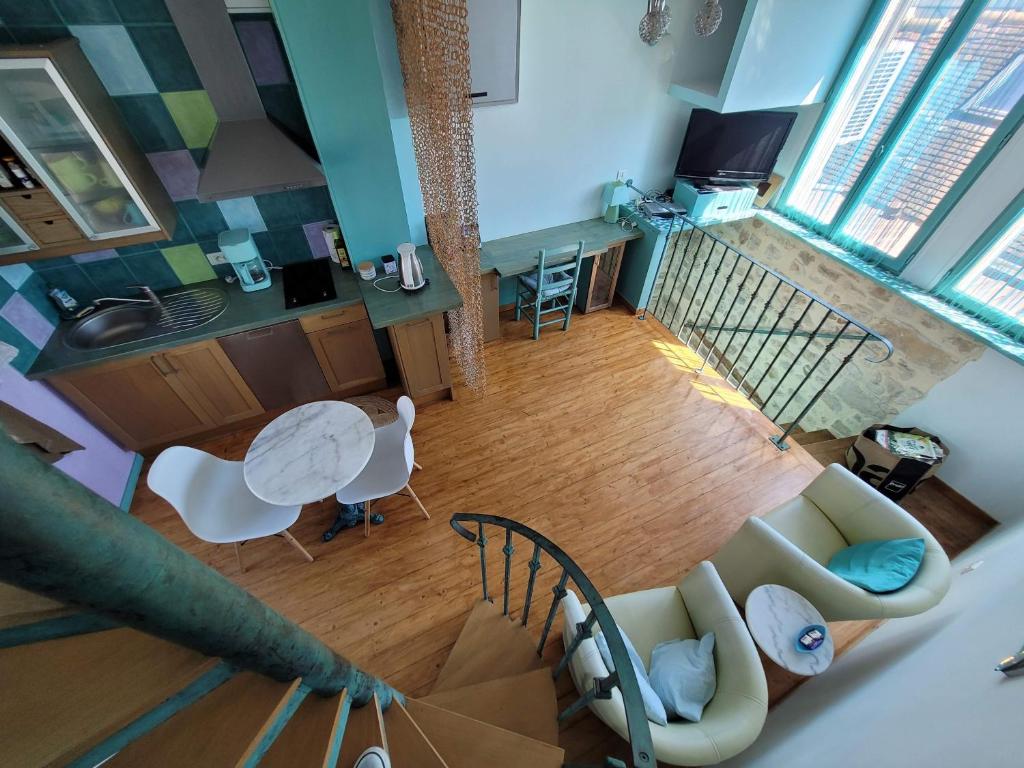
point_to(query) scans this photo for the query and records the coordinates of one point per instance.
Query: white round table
(775, 616)
(308, 453)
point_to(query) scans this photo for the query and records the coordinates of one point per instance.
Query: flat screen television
(732, 148)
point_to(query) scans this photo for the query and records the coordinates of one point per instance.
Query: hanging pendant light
(708, 18)
(654, 24)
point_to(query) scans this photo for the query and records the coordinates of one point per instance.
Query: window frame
(945, 289)
(955, 35)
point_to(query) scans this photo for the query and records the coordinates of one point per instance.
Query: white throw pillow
(652, 704)
(587, 654)
(683, 675)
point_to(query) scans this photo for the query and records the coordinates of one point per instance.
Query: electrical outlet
(216, 258)
(621, 175)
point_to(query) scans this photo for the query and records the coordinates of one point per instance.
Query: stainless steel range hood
(248, 155)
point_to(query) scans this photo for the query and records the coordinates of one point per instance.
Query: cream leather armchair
(735, 715)
(792, 544)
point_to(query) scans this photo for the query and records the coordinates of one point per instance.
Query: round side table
(308, 453)
(775, 616)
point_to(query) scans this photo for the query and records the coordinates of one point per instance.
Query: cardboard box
(894, 476)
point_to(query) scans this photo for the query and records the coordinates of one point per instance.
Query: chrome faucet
(145, 290)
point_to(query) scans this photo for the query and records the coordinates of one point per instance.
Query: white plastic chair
(390, 465)
(213, 500)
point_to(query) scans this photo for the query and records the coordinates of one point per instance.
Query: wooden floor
(602, 438)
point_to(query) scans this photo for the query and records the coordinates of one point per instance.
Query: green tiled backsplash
(139, 55)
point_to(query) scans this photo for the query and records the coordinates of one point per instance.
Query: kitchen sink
(180, 310)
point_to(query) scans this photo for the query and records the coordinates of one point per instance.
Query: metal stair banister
(63, 541)
(624, 677)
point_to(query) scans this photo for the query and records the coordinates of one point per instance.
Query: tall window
(934, 87)
(990, 282)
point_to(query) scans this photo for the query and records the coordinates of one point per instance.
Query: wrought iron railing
(622, 678)
(777, 343)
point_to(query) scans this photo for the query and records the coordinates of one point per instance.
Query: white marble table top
(775, 615)
(308, 453)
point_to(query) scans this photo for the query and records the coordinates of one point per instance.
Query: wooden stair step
(222, 729)
(409, 748)
(74, 692)
(19, 606)
(831, 451)
(489, 647)
(365, 729)
(464, 742)
(817, 436)
(307, 739)
(526, 704)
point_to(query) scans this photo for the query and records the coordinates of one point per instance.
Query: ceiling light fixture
(654, 24)
(708, 18)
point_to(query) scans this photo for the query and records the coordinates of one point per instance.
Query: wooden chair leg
(291, 540)
(536, 318)
(238, 557)
(417, 466)
(366, 519)
(519, 304)
(417, 500)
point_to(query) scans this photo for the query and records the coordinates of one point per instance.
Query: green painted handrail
(624, 677)
(63, 541)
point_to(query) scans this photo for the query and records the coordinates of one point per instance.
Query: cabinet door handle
(163, 365)
(262, 333)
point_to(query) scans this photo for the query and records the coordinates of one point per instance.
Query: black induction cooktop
(308, 282)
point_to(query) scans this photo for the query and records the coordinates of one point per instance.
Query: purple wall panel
(103, 466)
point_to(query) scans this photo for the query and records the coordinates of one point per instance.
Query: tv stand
(714, 201)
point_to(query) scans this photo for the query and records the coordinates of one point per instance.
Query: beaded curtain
(433, 47)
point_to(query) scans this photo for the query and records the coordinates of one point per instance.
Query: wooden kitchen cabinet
(154, 399)
(421, 350)
(203, 372)
(91, 188)
(344, 345)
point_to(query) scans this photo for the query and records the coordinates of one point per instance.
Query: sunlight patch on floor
(724, 394)
(685, 359)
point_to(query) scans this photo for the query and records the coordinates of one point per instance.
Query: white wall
(977, 412)
(593, 100)
(919, 691)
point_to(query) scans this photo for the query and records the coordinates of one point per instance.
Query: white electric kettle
(410, 270)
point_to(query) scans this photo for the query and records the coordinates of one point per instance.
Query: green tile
(204, 219)
(291, 246)
(37, 35)
(312, 204)
(28, 13)
(87, 11)
(265, 245)
(276, 210)
(142, 11)
(150, 123)
(26, 350)
(165, 56)
(153, 270)
(193, 113)
(199, 156)
(189, 263)
(34, 290)
(5, 291)
(110, 276)
(73, 280)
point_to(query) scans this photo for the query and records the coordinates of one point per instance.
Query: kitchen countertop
(245, 311)
(517, 254)
(386, 309)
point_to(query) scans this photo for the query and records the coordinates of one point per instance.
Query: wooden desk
(604, 244)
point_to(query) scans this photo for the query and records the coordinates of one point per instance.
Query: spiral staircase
(77, 692)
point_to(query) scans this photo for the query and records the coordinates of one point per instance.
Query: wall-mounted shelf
(765, 54)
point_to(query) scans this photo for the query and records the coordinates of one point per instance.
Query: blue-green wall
(333, 54)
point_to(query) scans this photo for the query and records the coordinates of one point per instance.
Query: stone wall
(927, 349)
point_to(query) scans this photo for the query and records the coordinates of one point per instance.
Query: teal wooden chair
(551, 289)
